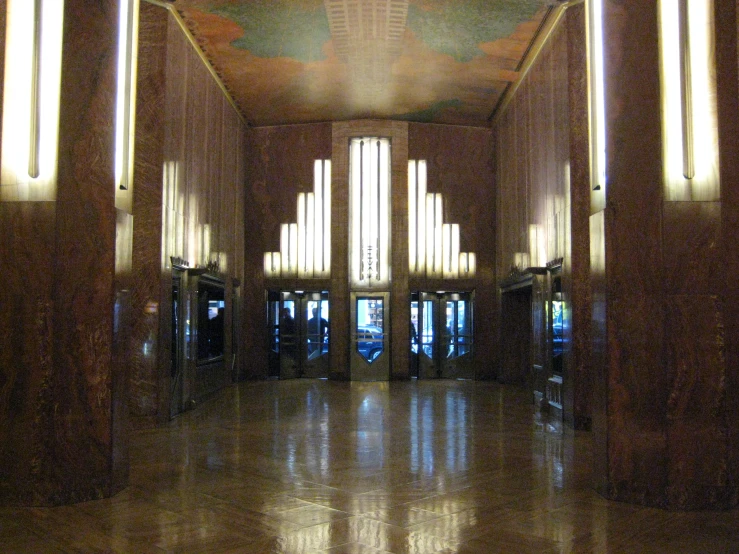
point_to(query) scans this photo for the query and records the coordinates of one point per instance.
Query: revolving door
(442, 335)
(298, 334)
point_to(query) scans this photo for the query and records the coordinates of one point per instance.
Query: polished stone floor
(402, 467)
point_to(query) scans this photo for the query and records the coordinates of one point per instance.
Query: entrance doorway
(370, 344)
(442, 336)
(299, 334)
(177, 345)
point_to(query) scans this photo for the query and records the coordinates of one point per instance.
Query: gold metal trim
(548, 25)
(169, 7)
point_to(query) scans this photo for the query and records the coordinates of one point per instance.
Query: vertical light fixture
(412, 216)
(128, 18)
(597, 95)
(326, 185)
(369, 178)
(301, 232)
(689, 112)
(33, 52)
(310, 228)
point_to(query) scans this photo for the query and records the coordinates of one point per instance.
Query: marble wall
(543, 200)
(188, 204)
(665, 401)
(62, 314)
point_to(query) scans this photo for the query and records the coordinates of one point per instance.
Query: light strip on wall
(689, 120)
(318, 217)
(412, 216)
(128, 18)
(326, 218)
(597, 95)
(438, 223)
(429, 234)
(421, 203)
(310, 205)
(292, 261)
(369, 178)
(33, 50)
(285, 249)
(301, 232)
(455, 251)
(446, 248)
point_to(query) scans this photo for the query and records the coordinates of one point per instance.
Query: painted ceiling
(299, 61)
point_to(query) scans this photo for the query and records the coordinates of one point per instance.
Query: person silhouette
(317, 329)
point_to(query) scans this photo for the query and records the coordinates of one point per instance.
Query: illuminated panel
(412, 216)
(326, 218)
(305, 246)
(369, 178)
(33, 54)
(597, 95)
(126, 101)
(318, 218)
(433, 245)
(301, 233)
(689, 125)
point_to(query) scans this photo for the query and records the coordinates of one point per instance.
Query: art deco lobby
(369, 276)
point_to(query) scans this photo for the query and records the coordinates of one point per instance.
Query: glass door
(445, 335)
(314, 335)
(298, 334)
(456, 337)
(428, 351)
(177, 346)
(370, 344)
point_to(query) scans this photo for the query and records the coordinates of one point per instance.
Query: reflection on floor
(318, 466)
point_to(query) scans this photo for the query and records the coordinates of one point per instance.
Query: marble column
(662, 320)
(63, 313)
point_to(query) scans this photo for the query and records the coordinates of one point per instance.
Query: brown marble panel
(578, 380)
(692, 240)
(696, 433)
(145, 380)
(26, 360)
(731, 337)
(634, 147)
(515, 365)
(121, 350)
(598, 351)
(637, 400)
(76, 461)
(727, 85)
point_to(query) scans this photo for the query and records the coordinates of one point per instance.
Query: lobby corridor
(401, 467)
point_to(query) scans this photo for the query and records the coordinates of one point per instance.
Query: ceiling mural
(299, 61)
